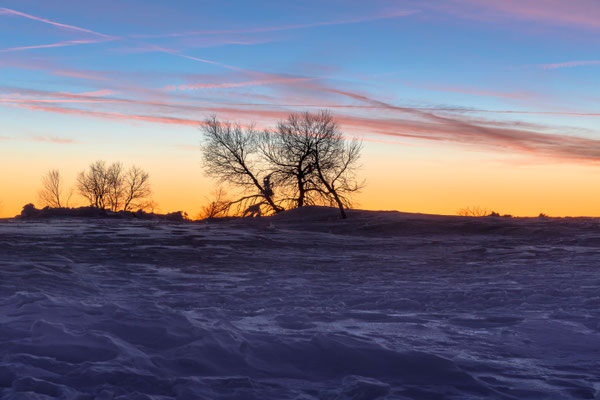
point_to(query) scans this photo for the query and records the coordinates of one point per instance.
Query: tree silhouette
(230, 155)
(289, 153)
(473, 212)
(93, 184)
(113, 186)
(136, 189)
(52, 188)
(335, 160)
(218, 207)
(115, 183)
(305, 159)
(311, 159)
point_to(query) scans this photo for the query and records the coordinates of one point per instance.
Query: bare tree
(116, 185)
(136, 189)
(93, 184)
(289, 152)
(230, 155)
(312, 160)
(52, 187)
(335, 161)
(473, 212)
(305, 158)
(218, 207)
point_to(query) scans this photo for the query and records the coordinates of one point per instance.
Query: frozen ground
(300, 306)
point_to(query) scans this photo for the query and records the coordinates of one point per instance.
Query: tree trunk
(331, 191)
(340, 204)
(301, 192)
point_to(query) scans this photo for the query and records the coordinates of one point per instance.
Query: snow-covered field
(300, 306)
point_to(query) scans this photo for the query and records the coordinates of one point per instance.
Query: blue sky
(434, 82)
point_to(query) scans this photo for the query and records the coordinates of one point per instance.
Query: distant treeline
(30, 211)
(103, 186)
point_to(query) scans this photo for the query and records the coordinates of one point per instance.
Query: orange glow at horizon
(435, 181)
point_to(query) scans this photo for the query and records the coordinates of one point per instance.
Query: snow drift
(301, 305)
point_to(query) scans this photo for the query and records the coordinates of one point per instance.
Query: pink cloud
(53, 139)
(420, 126)
(575, 13)
(19, 60)
(257, 82)
(114, 115)
(570, 64)
(97, 93)
(78, 74)
(58, 24)
(476, 91)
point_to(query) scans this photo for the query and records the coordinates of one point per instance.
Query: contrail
(47, 21)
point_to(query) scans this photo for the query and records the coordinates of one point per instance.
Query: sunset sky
(459, 103)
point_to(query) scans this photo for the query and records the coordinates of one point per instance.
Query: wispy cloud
(419, 125)
(114, 115)
(40, 139)
(49, 66)
(96, 93)
(44, 46)
(53, 139)
(575, 13)
(388, 15)
(58, 24)
(570, 64)
(257, 82)
(517, 95)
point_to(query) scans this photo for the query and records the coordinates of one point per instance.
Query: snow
(301, 305)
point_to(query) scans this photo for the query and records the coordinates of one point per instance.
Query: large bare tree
(306, 159)
(313, 160)
(52, 189)
(230, 155)
(289, 153)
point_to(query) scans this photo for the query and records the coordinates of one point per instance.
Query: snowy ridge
(300, 306)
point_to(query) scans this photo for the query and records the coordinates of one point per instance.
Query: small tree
(230, 155)
(473, 212)
(93, 184)
(114, 187)
(136, 189)
(52, 188)
(218, 207)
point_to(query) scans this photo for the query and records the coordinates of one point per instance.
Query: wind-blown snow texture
(300, 306)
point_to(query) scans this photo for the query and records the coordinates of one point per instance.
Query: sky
(459, 103)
